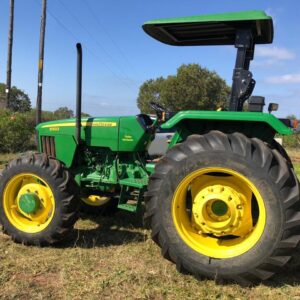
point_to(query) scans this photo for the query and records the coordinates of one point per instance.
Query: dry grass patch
(114, 258)
(294, 154)
(5, 158)
(297, 168)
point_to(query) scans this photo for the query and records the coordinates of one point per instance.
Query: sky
(119, 56)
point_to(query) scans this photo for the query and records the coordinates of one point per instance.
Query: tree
(192, 88)
(63, 113)
(150, 91)
(18, 102)
(85, 115)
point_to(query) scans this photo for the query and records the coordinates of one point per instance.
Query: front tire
(224, 206)
(37, 200)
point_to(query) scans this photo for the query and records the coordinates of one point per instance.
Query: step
(135, 182)
(128, 207)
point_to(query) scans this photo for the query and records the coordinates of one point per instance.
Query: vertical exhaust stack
(78, 93)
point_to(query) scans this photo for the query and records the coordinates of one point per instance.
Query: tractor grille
(48, 145)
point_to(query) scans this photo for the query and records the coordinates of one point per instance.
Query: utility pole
(41, 63)
(9, 52)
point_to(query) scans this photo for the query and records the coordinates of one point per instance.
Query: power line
(76, 39)
(96, 41)
(108, 34)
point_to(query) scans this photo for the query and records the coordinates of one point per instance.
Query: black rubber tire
(64, 189)
(269, 172)
(282, 151)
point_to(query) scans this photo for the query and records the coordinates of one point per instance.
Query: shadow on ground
(125, 227)
(290, 274)
(120, 228)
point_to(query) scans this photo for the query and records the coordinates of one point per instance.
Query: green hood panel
(124, 134)
(101, 132)
(269, 119)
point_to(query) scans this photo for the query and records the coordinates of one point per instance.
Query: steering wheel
(157, 107)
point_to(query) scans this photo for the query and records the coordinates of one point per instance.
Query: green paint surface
(219, 208)
(29, 203)
(247, 117)
(214, 29)
(225, 17)
(123, 134)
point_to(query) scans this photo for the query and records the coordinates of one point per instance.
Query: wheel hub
(29, 203)
(221, 210)
(31, 199)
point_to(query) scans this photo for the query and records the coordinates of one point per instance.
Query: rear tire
(273, 233)
(53, 191)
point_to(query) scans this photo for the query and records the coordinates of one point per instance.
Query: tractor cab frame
(243, 30)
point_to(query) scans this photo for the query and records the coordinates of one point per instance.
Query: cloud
(270, 56)
(287, 78)
(275, 53)
(271, 12)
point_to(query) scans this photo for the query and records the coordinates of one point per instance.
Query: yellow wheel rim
(218, 212)
(95, 200)
(28, 185)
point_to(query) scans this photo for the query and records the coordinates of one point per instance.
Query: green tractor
(222, 203)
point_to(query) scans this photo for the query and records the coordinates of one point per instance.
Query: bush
(16, 132)
(17, 129)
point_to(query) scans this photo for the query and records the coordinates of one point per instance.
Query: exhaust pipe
(78, 93)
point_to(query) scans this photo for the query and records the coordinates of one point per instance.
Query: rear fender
(261, 125)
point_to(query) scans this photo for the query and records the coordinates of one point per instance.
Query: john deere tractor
(223, 202)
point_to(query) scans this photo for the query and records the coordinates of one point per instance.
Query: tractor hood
(57, 138)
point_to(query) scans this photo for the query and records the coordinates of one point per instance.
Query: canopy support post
(243, 84)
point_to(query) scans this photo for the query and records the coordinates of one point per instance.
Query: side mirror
(273, 107)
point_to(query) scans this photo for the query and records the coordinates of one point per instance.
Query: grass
(5, 158)
(114, 258)
(297, 168)
(295, 155)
